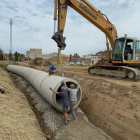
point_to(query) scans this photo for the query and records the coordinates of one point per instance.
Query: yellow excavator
(123, 53)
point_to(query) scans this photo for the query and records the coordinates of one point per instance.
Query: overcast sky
(33, 25)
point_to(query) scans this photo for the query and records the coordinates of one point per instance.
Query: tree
(22, 56)
(76, 55)
(16, 56)
(0, 54)
(10, 56)
(70, 57)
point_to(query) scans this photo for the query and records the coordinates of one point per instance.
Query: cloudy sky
(33, 25)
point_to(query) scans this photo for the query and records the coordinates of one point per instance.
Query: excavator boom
(87, 11)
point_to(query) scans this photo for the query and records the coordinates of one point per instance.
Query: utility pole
(10, 49)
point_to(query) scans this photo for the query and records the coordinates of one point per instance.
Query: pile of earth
(103, 61)
(41, 62)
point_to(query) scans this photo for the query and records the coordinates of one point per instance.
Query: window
(130, 44)
(137, 50)
(128, 55)
(118, 48)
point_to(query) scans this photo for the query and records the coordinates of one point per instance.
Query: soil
(52, 121)
(17, 120)
(41, 62)
(109, 103)
(16, 124)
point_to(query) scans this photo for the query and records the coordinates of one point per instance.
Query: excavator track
(115, 71)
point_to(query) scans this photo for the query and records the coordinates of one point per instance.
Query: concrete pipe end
(57, 98)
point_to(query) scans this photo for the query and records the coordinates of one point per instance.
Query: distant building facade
(52, 57)
(82, 60)
(98, 56)
(34, 53)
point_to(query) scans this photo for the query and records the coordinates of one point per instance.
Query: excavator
(123, 52)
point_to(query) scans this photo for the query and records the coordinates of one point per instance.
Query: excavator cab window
(137, 50)
(128, 50)
(118, 48)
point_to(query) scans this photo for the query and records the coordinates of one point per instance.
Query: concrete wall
(33, 52)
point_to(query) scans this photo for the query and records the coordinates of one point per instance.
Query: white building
(94, 58)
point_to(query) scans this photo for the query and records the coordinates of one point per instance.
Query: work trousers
(72, 104)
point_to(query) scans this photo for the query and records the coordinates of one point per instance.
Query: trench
(31, 101)
(113, 106)
(49, 122)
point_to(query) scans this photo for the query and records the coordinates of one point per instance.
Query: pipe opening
(58, 98)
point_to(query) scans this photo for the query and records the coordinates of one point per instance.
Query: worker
(65, 101)
(52, 70)
(73, 99)
(126, 51)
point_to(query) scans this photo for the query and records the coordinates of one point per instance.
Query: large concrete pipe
(41, 81)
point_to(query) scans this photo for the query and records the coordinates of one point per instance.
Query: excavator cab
(126, 50)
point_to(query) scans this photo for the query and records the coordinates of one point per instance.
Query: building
(52, 57)
(82, 60)
(98, 56)
(34, 53)
(5, 56)
(85, 60)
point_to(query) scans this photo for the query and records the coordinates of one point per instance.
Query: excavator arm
(84, 8)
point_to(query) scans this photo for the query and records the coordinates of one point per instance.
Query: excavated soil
(17, 120)
(41, 62)
(110, 104)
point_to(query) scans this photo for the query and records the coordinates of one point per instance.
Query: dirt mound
(103, 62)
(17, 120)
(41, 62)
